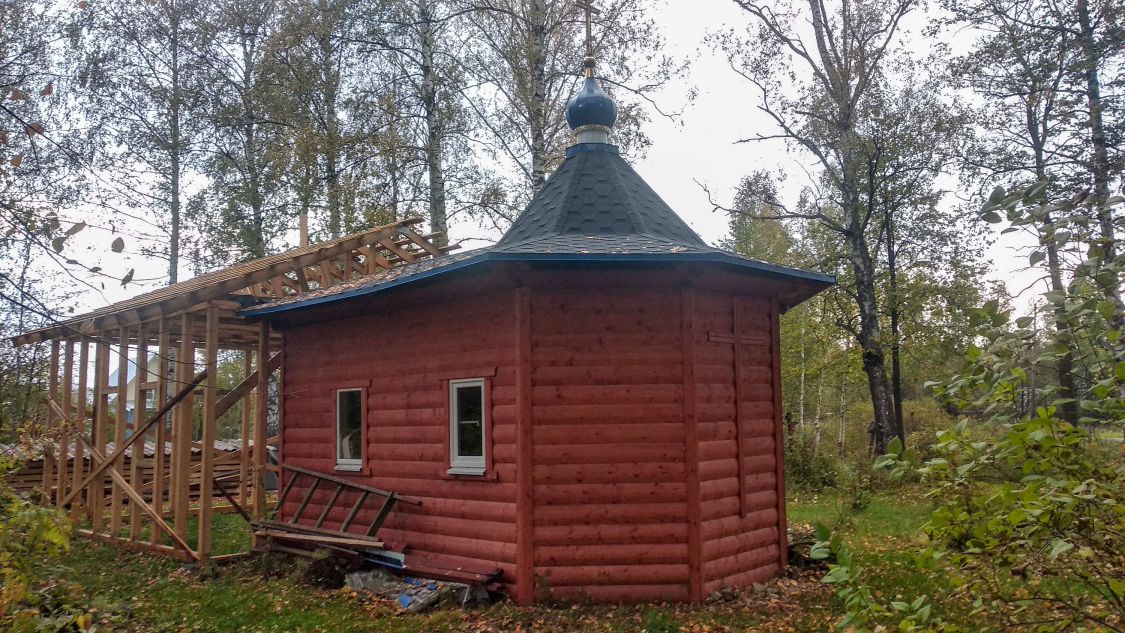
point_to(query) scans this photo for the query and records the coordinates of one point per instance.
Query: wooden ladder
(293, 530)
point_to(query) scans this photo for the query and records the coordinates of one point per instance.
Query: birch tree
(421, 46)
(140, 62)
(242, 210)
(842, 59)
(527, 56)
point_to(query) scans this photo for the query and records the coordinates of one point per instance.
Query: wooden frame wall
(137, 483)
(140, 482)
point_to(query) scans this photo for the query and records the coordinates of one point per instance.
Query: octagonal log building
(591, 405)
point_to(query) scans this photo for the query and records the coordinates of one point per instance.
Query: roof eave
(818, 280)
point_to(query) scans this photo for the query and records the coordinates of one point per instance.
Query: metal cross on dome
(590, 9)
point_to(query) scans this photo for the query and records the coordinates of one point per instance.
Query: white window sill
(466, 470)
(349, 468)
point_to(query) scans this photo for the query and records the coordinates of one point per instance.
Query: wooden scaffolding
(151, 483)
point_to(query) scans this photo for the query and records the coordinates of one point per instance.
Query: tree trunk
(329, 85)
(841, 436)
(537, 62)
(175, 147)
(895, 311)
(438, 216)
(255, 241)
(1099, 166)
(817, 422)
(870, 336)
(1064, 368)
(801, 389)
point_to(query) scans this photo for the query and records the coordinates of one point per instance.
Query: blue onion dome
(591, 107)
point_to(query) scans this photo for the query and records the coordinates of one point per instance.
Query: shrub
(809, 469)
(30, 536)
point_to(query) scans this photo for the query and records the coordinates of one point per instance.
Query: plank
(80, 422)
(119, 449)
(318, 538)
(210, 429)
(136, 498)
(140, 412)
(158, 487)
(48, 480)
(66, 427)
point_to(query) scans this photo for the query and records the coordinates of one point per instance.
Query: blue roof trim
(651, 258)
(717, 257)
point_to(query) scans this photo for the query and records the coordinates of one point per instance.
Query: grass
(137, 592)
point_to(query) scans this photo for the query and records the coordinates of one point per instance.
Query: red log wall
(407, 355)
(612, 514)
(740, 537)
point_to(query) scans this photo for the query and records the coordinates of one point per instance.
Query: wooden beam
(136, 546)
(244, 435)
(80, 423)
(140, 412)
(239, 392)
(52, 422)
(182, 426)
(210, 428)
(397, 250)
(95, 490)
(261, 414)
(164, 364)
(425, 244)
(119, 449)
(116, 494)
(372, 255)
(66, 428)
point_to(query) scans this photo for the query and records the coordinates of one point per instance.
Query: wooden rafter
(275, 276)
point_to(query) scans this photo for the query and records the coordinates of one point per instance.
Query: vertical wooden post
(525, 546)
(691, 446)
(119, 425)
(182, 423)
(244, 445)
(779, 448)
(49, 452)
(140, 414)
(80, 424)
(210, 428)
(95, 494)
(261, 417)
(164, 349)
(739, 423)
(67, 423)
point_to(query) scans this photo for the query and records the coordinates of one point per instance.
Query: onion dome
(591, 113)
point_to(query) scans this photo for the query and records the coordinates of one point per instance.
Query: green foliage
(863, 608)
(807, 468)
(30, 532)
(1031, 514)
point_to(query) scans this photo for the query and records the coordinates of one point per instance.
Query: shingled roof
(594, 208)
(595, 193)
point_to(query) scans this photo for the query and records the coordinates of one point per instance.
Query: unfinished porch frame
(135, 483)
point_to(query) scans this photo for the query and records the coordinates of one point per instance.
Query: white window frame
(351, 463)
(467, 464)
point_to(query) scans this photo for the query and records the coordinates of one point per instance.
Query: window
(349, 429)
(467, 425)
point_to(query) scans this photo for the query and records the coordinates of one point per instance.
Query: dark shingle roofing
(594, 208)
(595, 193)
